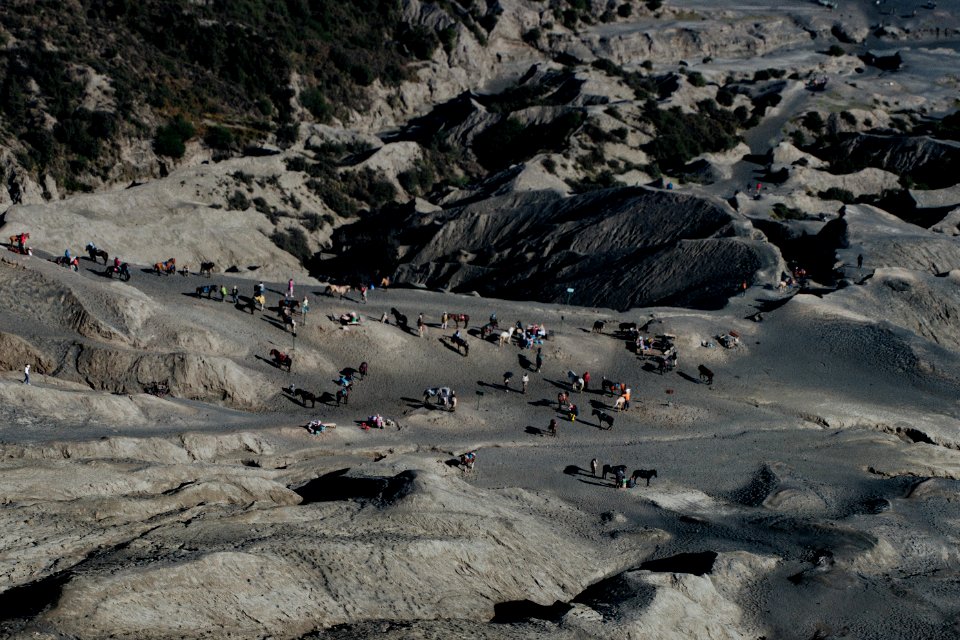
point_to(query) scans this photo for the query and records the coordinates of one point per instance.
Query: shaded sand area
(810, 491)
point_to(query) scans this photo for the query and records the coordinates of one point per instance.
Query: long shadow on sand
(443, 340)
(534, 431)
(688, 377)
(498, 387)
(597, 483)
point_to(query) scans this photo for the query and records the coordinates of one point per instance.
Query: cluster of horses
(619, 473)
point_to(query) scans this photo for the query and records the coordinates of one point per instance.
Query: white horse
(506, 337)
(576, 382)
(619, 403)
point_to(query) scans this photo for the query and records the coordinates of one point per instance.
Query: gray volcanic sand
(808, 467)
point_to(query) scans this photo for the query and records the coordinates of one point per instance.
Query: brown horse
(304, 396)
(281, 359)
(458, 318)
(166, 268)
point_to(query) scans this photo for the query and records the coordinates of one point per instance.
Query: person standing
(290, 288)
(539, 358)
(524, 381)
(421, 325)
(586, 380)
(303, 310)
(860, 261)
(26, 374)
(363, 294)
(552, 429)
(507, 377)
(593, 467)
(444, 320)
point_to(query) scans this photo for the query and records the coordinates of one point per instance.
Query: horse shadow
(147, 270)
(575, 470)
(534, 431)
(102, 274)
(599, 404)
(452, 462)
(543, 402)
(649, 367)
(688, 377)
(275, 323)
(292, 398)
(415, 403)
(273, 363)
(327, 398)
(443, 340)
(595, 483)
(498, 387)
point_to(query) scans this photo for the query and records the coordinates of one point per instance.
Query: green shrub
(313, 101)
(311, 221)
(835, 50)
(509, 141)
(238, 202)
(171, 137)
(783, 212)
(696, 79)
(835, 193)
(625, 10)
(813, 121)
(218, 137)
(294, 242)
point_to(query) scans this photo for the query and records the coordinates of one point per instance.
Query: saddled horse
(206, 268)
(95, 253)
(70, 263)
(603, 417)
(646, 474)
(457, 318)
(575, 381)
(338, 289)
(281, 359)
(123, 271)
(207, 290)
(304, 396)
(461, 344)
(166, 268)
(20, 238)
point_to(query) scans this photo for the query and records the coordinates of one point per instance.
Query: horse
(305, 395)
(612, 469)
(505, 337)
(291, 323)
(95, 253)
(603, 416)
(281, 359)
(458, 318)
(123, 271)
(206, 268)
(166, 268)
(628, 327)
(445, 395)
(206, 290)
(620, 403)
(645, 474)
(611, 387)
(461, 343)
(20, 238)
(705, 374)
(575, 381)
(339, 289)
(598, 326)
(69, 263)
(400, 319)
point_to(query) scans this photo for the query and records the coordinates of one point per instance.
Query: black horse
(613, 469)
(645, 474)
(304, 396)
(705, 374)
(123, 271)
(603, 417)
(399, 318)
(461, 344)
(206, 290)
(206, 268)
(95, 253)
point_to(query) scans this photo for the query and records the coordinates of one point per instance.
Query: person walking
(593, 467)
(586, 380)
(444, 320)
(743, 288)
(860, 261)
(26, 374)
(552, 429)
(539, 358)
(507, 377)
(235, 294)
(290, 288)
(524, 381)
(303, 310)
(223, 292)
(421, 326)
(363, 294)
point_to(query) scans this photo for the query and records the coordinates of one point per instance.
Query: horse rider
(116, 263)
